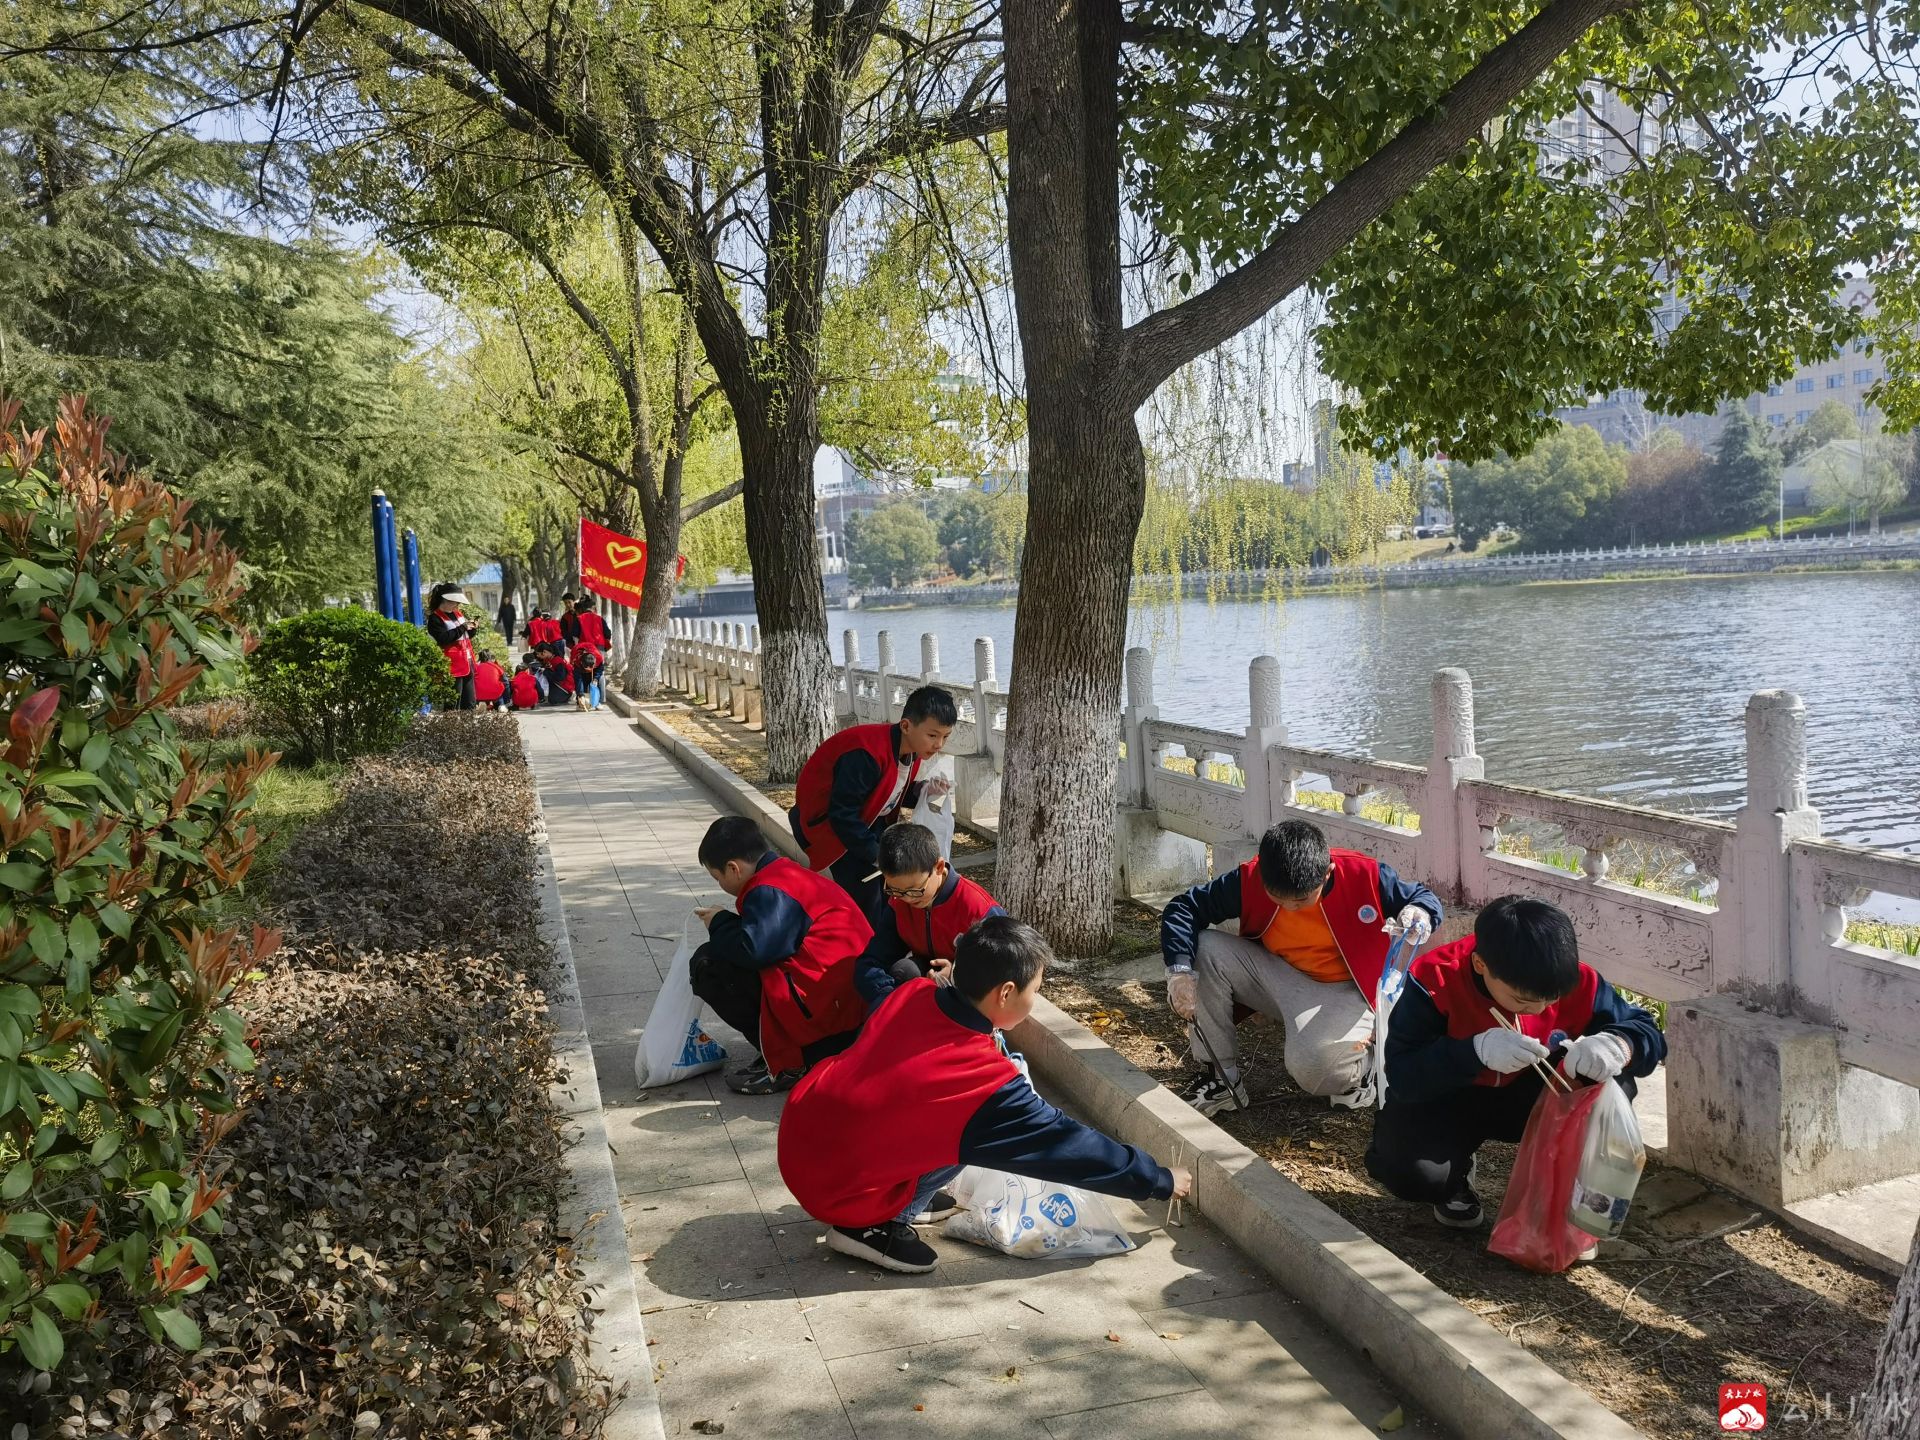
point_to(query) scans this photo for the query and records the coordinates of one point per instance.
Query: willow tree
(1403, 162)
(736, 137)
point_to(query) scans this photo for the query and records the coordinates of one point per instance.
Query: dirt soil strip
(1651, 1330)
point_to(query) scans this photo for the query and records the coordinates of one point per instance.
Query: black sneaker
(938, 1208)
(1462, 1212)
(1210, 1095)
(892, 1246)
(753, 1079)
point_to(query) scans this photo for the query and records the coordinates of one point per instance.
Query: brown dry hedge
(391, 1253)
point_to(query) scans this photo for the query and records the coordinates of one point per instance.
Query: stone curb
(590, 1211)
(1457, 1366)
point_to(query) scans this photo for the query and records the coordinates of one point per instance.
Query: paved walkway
(755, 1325)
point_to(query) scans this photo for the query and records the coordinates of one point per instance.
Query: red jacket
(930, 933)
(542, 631)
(460, 653)
(811, 995)
(526, 690)
(861, 1128)
(1351, 907)
(1446, 974)
(489, 682)
(593, 631)
(815, 789)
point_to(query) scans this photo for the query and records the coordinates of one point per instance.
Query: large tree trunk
(649, 647)
(796, 668)
(1892, 1410)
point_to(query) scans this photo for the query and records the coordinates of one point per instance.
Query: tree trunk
(649, 648)
(796, 668)
(1892, 1409)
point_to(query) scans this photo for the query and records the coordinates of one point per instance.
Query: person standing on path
(1311, 947)
(569, 620)
(778, 967)
(449, 628)
(589, 626)
(506, 618)
(862, 780)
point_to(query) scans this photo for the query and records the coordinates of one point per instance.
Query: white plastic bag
(673, 1046)
(937, 815)
(1033, 1219)
(1610, 1164)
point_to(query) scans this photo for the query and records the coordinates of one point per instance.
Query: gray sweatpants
(1329, 1027)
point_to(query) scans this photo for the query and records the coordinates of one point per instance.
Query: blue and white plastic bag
(674, 1046)
(1033, 1219)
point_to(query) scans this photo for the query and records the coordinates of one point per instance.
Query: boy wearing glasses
(930, 905)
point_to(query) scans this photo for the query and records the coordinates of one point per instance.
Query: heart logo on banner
(621, 556)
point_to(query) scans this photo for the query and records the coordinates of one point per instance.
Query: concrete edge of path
(590, 1210)
(1462, 1370)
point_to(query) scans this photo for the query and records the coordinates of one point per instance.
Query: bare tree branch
(694, 509)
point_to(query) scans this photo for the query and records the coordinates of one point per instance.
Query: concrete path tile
(784, 1394)
(1191, 1413)
(665, 1145)
(959, 1386)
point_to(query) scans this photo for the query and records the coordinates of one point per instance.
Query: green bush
(116, 1040)
(340, 683)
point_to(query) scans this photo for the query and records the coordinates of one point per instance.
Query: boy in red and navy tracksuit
(591, 627)
(1309, 953)
(526, 684)
(930, 905)
(489, 681)
(1456, 1077)
(778, 967)
(868, 1139)
(862, 780)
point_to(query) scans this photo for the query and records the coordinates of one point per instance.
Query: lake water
(1630, 691)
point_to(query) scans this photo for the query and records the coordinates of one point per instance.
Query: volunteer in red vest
(541, 630)
(589, 672)
(862, 780)
(527, 684)
(569, 620)
(779, 966)
(1457, 1077)
(489, 681)
(930, 905)
(870, 1138)
(591, 628)
(1309, 952)
(451, 631)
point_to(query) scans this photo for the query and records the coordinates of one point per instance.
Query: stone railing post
(850, 649)
(983, 682)
(884, 665)
(755, 715)
(742, 672)
(929, 657)
(1264, 728)
(1754, 924)
(697, 660)
(1133, 720)
(1449, 844)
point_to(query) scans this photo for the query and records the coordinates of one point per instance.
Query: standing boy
(778, 967)
(930, 905)
(868, 1139)
(592, 629)
(862, 780)
(1457, 1077)
(1309, 954)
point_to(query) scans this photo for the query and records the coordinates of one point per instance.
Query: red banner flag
(612, 565)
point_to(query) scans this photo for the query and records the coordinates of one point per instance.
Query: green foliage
(114, 1024)
(1561, 492)
(980, 534)
(1663, 497)
(1862, 477)
(1744, 483)
(344, 682)
(267, 381)
(894, 545)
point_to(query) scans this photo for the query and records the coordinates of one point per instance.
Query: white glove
(1416, 924)
(1183, 991)
(1505, 1051)
(1597, 1057)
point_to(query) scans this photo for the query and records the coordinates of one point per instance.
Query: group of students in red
(565, 660)
(876, 987)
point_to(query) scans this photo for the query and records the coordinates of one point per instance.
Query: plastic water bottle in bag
(1610, 1164)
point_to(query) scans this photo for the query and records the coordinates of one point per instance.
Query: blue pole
(393, 564)
(383, 596)
(414, 601)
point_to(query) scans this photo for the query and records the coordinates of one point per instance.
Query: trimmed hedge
(339, 683)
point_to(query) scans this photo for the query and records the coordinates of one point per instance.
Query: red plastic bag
(1532, 1230)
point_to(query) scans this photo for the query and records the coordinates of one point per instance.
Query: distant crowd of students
(563, 663)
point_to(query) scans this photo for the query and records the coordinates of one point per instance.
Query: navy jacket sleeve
(1017, 1131)
(1396, 894)
(768, 929)
(856, 775)
(1425, 1063)
(1187, 915)
(1632, 1023)
(872, 973)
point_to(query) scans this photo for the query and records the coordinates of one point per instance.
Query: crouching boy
(1309, 954)
(1457, 1078)
(778, 967)
(930, 905)
(870, 1136)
